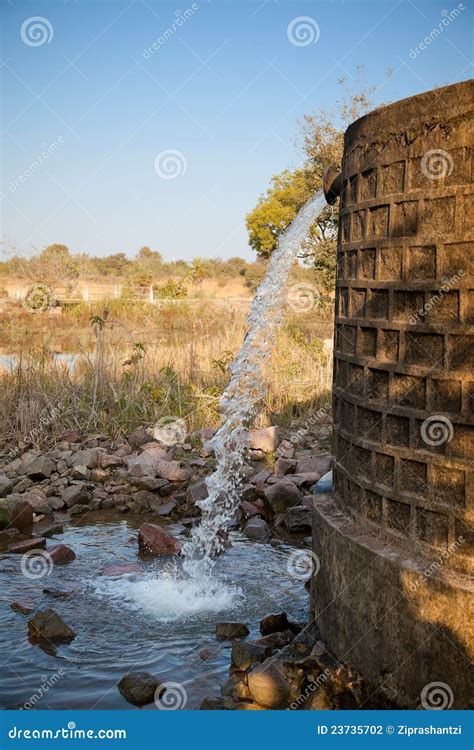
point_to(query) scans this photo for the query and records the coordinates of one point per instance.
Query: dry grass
(146, 363)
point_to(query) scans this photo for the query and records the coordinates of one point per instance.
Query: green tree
(321, 138)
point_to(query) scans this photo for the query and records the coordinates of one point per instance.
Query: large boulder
(154, 540)
(38, 500)
(246, 654)
(16, 513)
(49, 626)
(274, 623)
(313, 464)
(140, 688)
(282, 496)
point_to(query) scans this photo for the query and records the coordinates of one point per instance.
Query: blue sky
(223, 92)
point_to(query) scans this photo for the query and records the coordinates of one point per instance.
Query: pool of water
(151, 620)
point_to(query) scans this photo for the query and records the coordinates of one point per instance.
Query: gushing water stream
(240, 400)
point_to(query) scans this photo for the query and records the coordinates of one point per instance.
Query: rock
(71, 436)
(41, 468)
(154, 540)
(167, 508)
(251, 509)
(274, 685)
(171, 431)
(61, 554)
(19, 548)
(274, 623)
(23, 606)
(140, 688)
(78, 509)
(87, 457)
(81, 472)
(76, 493)
(313, 464)
(151, 484)
(197, 492)
(99, 475)
(55, 503)
(48, 625)
(53, 530)
(172, 471)
(325, 484)
(6, 485)
(304, 480)
(260, 477)
(285, 466)
(121, 569)
(16, 513)
(60, 593)
(246, 654)
(286, 449)
(23, 485)
(147, 463)
(257, 529)
(138, 437)
(107, 461)
(282, 496)
(265, 439)
(38, 500)
(229, 630)
(298, 518)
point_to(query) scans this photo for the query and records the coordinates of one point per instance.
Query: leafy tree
(322, 138)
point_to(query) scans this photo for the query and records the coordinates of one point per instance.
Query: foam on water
(240, 400)
(167, 597)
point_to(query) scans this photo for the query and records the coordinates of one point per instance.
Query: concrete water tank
(393, 589)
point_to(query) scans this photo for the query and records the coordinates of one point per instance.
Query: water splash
(239, 402)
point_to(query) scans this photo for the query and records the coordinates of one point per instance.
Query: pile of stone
(287, 668)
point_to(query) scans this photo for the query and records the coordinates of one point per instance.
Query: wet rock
(265, 439)
(298, 518)
(197, 492)
(313, 464)
(273, 684)
(53, 530)
(274, 623)
(76, 493)
(282, 496)
(49, 626)
(16, 513)
(78, 509)
(23, 606)
(257, 529)
(246, 654)
(285, 466)
(121, 569)
(154, 540)
(41, 468)
(60, 592)
(229, 630)
(251, 509)
(19, 548)
(167, 508)
(61, 554)
(140, 688)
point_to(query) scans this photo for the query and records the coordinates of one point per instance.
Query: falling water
(239, 402)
